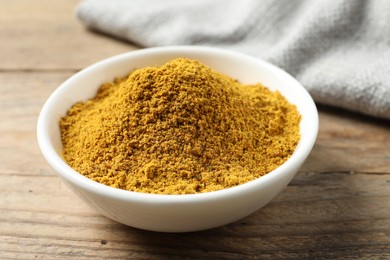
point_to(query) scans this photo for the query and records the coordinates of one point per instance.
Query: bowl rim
(66, 172)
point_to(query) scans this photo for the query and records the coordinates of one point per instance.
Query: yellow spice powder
(178, 129)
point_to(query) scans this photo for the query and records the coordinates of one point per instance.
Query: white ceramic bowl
(176, 213)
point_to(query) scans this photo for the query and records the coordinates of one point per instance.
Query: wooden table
(338, 206)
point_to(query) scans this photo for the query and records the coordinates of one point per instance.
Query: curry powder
(180, 128)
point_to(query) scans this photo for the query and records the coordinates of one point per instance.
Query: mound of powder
(178, 129)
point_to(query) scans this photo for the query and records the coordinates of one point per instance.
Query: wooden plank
(22, 96)
(350, 142)
(45, 35)
(318, 215)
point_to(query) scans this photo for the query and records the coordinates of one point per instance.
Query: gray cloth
(339, 49)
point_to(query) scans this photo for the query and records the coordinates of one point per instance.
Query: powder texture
(178, 129)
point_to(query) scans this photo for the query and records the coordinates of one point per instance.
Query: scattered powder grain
(178, 129)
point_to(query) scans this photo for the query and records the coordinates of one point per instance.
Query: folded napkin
(339, 50)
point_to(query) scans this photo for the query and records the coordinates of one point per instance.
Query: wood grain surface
(337, 207)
